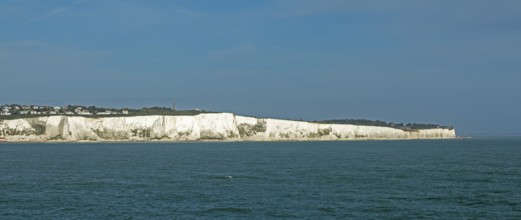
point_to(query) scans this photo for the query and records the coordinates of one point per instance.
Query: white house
(84, 112)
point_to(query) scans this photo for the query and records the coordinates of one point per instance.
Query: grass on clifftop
(132, 112)
(402, 126)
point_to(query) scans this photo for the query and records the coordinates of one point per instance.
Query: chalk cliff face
(218, 126)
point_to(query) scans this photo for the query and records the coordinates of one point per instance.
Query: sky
(444, 61)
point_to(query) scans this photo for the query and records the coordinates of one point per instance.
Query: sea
(478, 178)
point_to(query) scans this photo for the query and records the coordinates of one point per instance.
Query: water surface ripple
(447, 179)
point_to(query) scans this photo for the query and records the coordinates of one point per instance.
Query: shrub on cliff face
(38, 126)
(261, 126)
(325, 131)
(320, 133)
(210, 135)
(247, 130)
(39, 129)
(109, 134)
(141, 133)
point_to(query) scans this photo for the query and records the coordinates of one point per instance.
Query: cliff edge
(211, 126)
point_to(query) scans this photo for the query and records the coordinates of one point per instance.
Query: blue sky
(444, 61)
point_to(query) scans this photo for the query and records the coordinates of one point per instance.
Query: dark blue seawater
(444, 179)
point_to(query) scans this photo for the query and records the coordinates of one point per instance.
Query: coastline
(222, 141)
(210, 127)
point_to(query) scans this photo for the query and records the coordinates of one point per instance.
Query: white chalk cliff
(214, 126)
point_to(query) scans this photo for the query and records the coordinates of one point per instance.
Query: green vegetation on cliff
(15, 111)
(402, 126)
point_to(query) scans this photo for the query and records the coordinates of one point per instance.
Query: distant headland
(90, 123)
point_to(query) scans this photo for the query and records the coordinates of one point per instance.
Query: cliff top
(402, 126)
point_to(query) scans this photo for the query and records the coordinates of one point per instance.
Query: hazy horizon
(444, 62)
